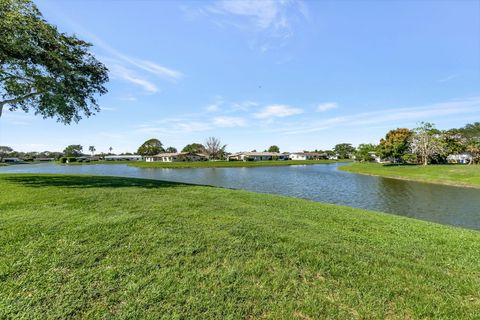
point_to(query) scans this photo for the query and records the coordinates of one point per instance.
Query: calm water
(324, 183)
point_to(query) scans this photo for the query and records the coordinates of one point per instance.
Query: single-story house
(177, 157)
(44, 159)
(257, 156)
(460, 158)
(375, 157)
(11, 160)
(133, 157)
(307, 156)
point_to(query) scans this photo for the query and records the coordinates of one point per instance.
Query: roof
(253, 154)
(310, 153)
(176, 154)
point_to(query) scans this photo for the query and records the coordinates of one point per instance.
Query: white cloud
(394, 116)
(327, 106)
(215, 106)
(277, 111)
(243, 106)
(271, 21)
(228, 122)
(121, 72)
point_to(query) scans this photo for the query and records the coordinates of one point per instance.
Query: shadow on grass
(78, 181)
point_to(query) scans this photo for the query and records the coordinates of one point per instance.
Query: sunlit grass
(105, 247)
(467, 175)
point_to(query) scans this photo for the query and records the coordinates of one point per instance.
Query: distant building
(177, 157)
(133, 157)
(11, 160)
(460, 158)
(307, 156)
(257, 156)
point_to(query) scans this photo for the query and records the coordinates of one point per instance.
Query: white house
(133, 157)
(307, 156)
(460, 158)
(257, 156)
(176, 157)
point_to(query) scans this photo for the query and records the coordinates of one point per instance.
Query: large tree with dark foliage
(45, 70)
(150, 147)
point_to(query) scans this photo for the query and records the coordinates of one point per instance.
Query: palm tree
(110, 149)
(92, 150)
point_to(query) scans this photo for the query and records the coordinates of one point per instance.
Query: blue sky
(298, 74)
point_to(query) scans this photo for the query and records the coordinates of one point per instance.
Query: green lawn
(104, 247)
(461, 175)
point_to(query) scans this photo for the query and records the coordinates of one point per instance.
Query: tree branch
(15, 100)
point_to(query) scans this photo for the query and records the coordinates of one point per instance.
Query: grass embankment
(452, 174)
(229, 164)
(96, 247)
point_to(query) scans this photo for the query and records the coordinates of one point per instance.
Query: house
(11, 160)
(375, 157)
(307, 156)
(133, 157)
(257, 156)
(177, 157)
(460, 158)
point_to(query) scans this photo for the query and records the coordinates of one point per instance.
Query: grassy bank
(96, 247)
(459, 175)
(228, 164)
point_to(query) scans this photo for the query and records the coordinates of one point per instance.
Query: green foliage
(194, 148)
(344, 150)
(171, 150)
(105, 247)
(150, 147)
(364, 152)
(73, 150)
(395, 145)
(5, 151)
(274, 148)
(43, 69)
(427, 143)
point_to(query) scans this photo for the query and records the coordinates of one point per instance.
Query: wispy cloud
(215, 105)
(267, 19)
(229, 122)
(449, 77)
(394, 116)
(121, 72)
(327, 106)
(277, 111)
(244, 105)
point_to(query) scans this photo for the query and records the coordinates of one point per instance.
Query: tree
(110, 149)
(274, 148)
(4, 151)
(73, 150)
(471, 134)
(426, 142)
(171, 150)
(194, 148)
(214, 148)
(364, 152)
(46, 70)
(344, 150)
(92, 150)
(396, 145)
(150, 147)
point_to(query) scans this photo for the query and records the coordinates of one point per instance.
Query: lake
(324, 183)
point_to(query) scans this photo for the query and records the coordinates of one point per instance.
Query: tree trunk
(1, 109)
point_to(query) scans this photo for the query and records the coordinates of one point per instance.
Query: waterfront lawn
(104, 247)
(452, 174)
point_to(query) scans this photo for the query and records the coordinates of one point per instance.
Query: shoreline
(347, 168)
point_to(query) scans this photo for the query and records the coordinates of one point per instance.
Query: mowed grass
(451, 174)
(104, 247)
